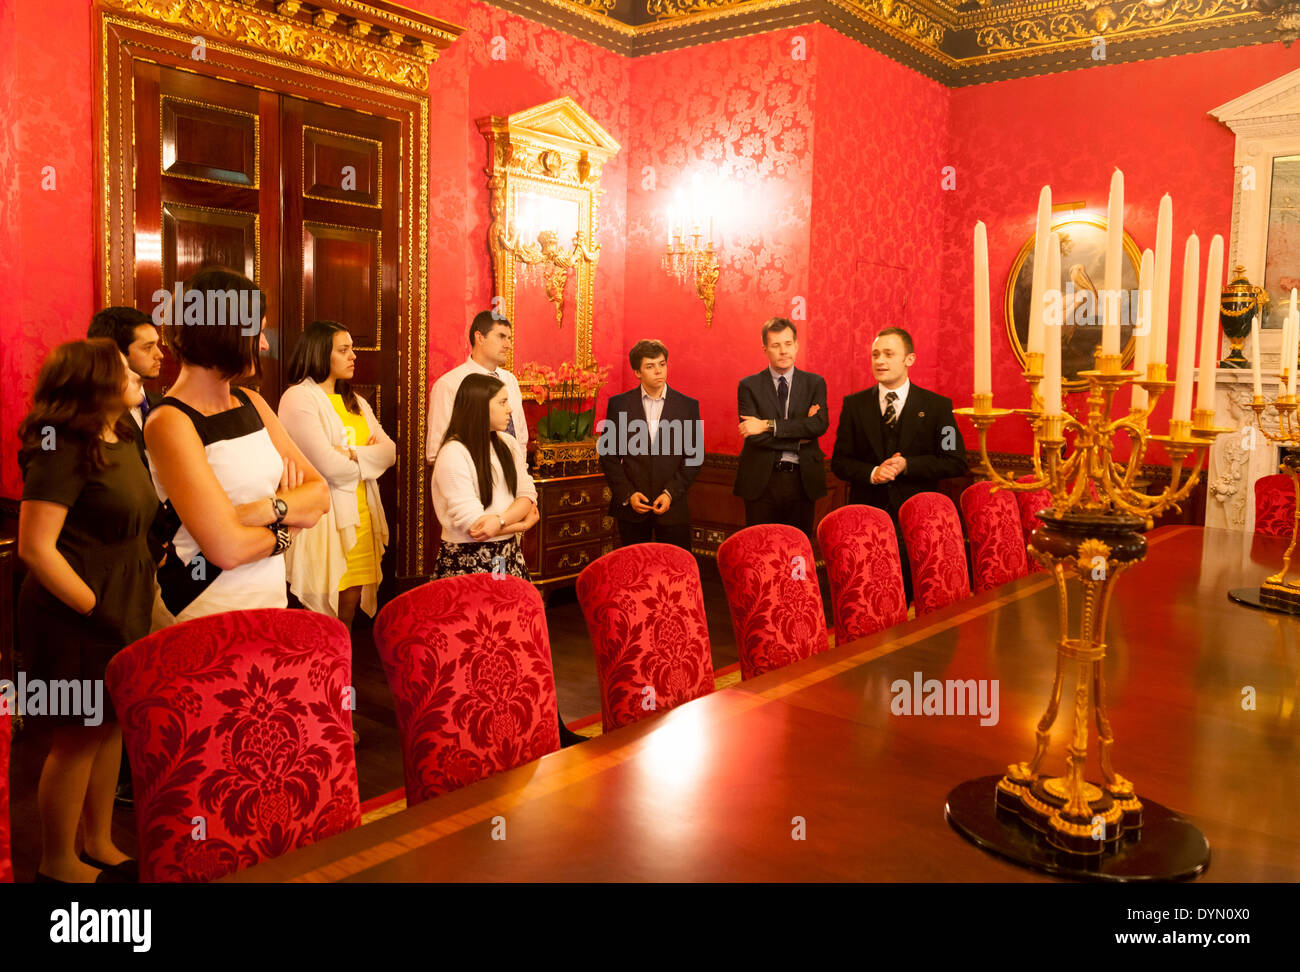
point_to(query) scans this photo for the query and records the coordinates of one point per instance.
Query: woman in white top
(482, 493)
(221, 462)
(336, 564)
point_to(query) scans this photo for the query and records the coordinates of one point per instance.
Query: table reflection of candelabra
(1092, 533)
(553, 264)
(691, 259)
(1277, 593)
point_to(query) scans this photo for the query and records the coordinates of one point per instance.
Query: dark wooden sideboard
(575, 529)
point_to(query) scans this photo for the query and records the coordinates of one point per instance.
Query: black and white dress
(248, 466)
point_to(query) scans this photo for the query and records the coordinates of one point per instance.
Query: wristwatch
(281, 509)
(502, 519)
(771, 424)
(282, 538)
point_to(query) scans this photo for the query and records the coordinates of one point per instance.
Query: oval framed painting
(1083, 270)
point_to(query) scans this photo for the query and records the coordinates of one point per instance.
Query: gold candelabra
(1092, 533)
(694, 262)
(554, 264)
(1277, 592)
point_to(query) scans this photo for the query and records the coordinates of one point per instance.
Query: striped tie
(891, 416)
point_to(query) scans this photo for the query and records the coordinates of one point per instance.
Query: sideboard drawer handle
(583, 528)
(565, 562)
(567, 499)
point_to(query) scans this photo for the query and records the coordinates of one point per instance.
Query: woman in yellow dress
(335, 565)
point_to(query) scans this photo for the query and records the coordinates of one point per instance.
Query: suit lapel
(875, 433)
(909, 420)
(769, 407)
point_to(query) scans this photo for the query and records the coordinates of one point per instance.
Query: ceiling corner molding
(378, 41)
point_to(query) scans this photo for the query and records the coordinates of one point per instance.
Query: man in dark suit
(651, 446)
(135, 335)
(783, 412)
(896, 439)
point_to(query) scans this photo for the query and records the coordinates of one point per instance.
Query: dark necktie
(144, 409)
(890, 416)
(510, 422)
(782, 394)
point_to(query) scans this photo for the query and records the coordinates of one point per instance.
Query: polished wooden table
(806, 775)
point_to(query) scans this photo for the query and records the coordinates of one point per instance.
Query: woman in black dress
(82, 533)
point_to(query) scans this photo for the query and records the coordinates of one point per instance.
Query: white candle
(1052, 333)
(1293, 339)
(1210, 325)
(1281, 352)
(1142, 342)
(1254, 356)
(1114, 266)
(1042, 227)
(1187, 330)
(983, 338)
(1160, 295)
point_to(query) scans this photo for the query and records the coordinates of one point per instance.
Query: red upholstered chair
(935, 549)
(6, 863)
(770, 576)
(239, 731)
(997, 545)
(862, 563)
(1031, 504)
(1274, 505)
(645, 610)
(469, 661)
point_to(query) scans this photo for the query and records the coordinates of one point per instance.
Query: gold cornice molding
(351, 38)
(1058, 24)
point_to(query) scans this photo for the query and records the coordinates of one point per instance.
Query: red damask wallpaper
(1071, 130)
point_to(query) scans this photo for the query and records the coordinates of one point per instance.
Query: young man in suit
(783, 412)
(651, 446)
(135, 335)
(896, 439)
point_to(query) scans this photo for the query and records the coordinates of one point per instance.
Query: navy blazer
(758, 457)
(651, 475)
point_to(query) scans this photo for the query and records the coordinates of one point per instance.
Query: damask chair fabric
(1030, 505)
(997, 545)
(1274, 505)
(6, 861)
(644, 607)
(770, 578)
(469, 661)
(238, 725)
(865, 573)
(936, 551)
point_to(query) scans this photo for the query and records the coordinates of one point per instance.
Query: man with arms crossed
(649, 474)
(782, 470)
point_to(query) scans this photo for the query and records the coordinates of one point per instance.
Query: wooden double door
(304, 198)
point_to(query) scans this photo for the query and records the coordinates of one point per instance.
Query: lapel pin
(920, 415)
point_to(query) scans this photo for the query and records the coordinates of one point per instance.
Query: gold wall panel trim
(265, 29)
(220, 109)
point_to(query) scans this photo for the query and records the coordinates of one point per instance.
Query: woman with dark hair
(221, 460)
(482, 493)
(334, 565)
(83, 528)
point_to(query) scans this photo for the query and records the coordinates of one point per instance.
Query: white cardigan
(317, 559)
(455, 488)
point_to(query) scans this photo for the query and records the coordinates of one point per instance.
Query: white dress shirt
(455, 489)
(901, 392)
(788, 375)
(443, 398)
(654, 409)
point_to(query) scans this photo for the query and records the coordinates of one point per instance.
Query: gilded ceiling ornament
(1097, 16)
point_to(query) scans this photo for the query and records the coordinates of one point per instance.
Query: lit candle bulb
(1042, 227)
(1291, 348)
(1160, 293)
(1052, 331)
(1142, 330)
(1254, 356)
(983, 340)
(1187, 330)
(1114, 265)
(1210, 325)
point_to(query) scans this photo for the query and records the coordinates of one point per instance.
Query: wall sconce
(691, 256)
(547, 219)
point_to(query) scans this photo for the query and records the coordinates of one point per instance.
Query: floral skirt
(490, 556)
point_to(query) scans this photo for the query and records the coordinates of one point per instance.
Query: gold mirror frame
(555, 150)
(1062, 225)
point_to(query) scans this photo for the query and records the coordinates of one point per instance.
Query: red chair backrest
(770, 578)
(864, 569)
(997, 545)
(1274, 505)
(6, 862)
(239, 731)
(1031, 504)
(469, 661)
(935, 550)
(645, 610)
